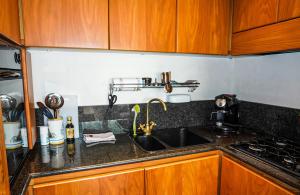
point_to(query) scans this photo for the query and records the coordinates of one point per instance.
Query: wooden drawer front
(237, 180)
(121, 183)
(196, 176)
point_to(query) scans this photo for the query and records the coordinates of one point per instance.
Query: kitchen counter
(46, 161)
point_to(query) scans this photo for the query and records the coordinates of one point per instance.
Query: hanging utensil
(8, 103)
(54, 101)
(168, 86)
(112, 99)
(16, 113)
(45, 111)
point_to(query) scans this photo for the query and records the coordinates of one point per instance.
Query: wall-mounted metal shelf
(10, 74)
(192, 86)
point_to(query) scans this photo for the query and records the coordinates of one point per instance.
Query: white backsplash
(271, 79)
(87, 73)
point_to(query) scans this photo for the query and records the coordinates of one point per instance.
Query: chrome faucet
(147, 128)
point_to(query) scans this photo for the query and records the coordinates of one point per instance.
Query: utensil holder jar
(12, 134)
(56, 131)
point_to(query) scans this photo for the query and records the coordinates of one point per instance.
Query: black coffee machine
(226, 112)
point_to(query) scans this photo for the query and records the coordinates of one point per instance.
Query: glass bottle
(70, 130)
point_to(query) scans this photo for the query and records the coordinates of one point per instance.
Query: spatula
(136, 109)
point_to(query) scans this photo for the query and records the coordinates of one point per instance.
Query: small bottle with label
(70, 130)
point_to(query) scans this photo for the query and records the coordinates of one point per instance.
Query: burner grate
(280, 152)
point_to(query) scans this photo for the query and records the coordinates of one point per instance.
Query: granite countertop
(51, 160)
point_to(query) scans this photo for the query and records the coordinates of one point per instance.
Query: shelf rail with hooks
(192, 86)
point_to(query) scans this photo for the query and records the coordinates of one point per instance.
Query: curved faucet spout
(147, 128)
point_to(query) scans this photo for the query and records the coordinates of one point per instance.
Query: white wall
(272, 79)
(7, 59)
(87, 73)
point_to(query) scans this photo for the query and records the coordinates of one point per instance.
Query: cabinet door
(281, 36)
(66, 23)
(4, 179)
(237, 180)
(288, 9)
(28, 98)
(250, 14)
(197, 176)
(120, 183)
(203, 26)
(144, 25)
(9, 19)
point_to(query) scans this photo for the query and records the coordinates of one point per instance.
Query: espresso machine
(226, 113)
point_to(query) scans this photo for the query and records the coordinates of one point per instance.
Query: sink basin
(179, 137)
(148, 143)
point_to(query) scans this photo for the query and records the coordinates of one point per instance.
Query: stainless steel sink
(169, 138)
(148, 143)
(179, 137)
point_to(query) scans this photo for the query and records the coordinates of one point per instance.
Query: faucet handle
(142, 127)
(152, 124)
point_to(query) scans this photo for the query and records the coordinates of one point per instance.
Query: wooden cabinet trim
(28, 99)
(180, 162)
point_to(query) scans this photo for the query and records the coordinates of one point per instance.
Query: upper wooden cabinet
(9, 20)
(277, 37)
(145, 25)
(250, 14)
(288, 9)
(203, 26)
(195, 176)
(278, 26)
(66, 23)
(237, 179)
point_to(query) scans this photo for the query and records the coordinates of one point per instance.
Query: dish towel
(107, 137)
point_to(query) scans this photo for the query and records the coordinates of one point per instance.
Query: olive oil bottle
(70, 130)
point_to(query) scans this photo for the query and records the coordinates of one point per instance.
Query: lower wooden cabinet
(120, 183)
(196, 176)
(190, 174)
(237, 179)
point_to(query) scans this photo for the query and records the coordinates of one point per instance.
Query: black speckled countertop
(47, 160)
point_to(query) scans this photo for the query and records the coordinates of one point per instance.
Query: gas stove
(280, 152)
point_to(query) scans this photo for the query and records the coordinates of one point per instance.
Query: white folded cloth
(99, 137)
